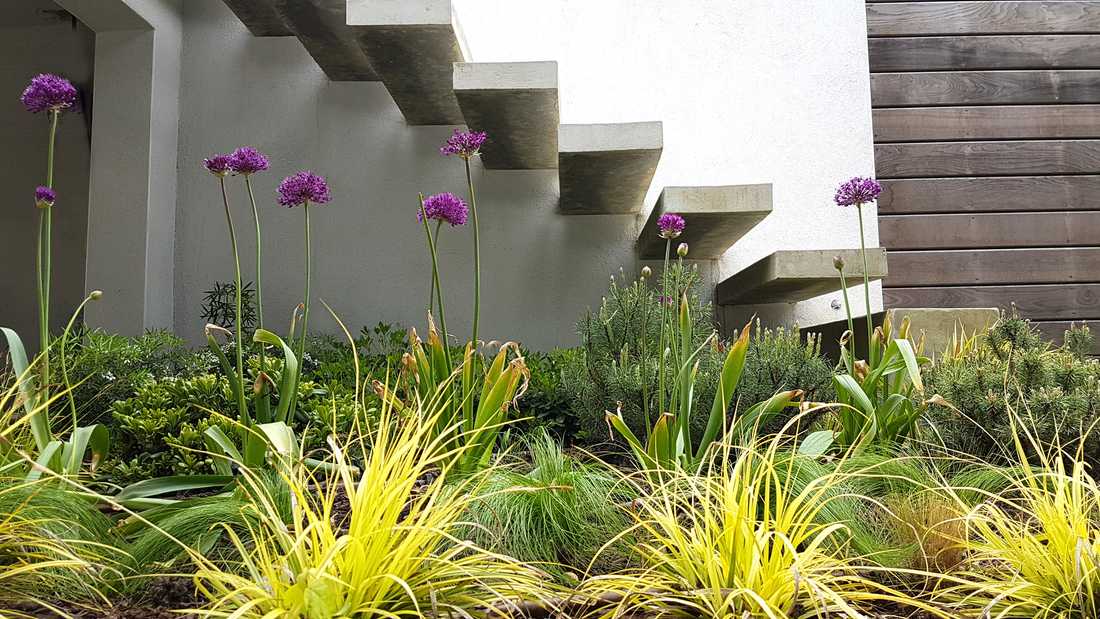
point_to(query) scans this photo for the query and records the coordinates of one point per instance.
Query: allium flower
(302, 187)
(444, 207)
(48, 92)
(247, 160)
(670, 225)
(44, 197)
(857, 191)
(465, 144)
(218, 165)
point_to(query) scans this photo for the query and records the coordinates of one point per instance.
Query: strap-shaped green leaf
(48, 459)
(223, 449)
(727, 384)
(171, 485)
(288, 382)
(94, 438)
(39, 420)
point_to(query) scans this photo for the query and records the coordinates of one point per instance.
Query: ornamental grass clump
(746, 539)
(395, 550)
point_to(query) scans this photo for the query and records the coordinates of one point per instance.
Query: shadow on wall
(35, 38)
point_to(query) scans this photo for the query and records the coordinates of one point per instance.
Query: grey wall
(30, 45)
(540, 269)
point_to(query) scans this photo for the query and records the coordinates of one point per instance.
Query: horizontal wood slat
(1052, 302)
(989, 230)
(984, 88)
(987, 158)
(1055, 330)
(993, 266)
(987, 123)
(946, 18)
(989, 194)
(1070, 51)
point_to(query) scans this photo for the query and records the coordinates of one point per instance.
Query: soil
(156, 601)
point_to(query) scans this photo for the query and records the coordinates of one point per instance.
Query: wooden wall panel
(1054, 331)
(972, 53)
(945, 159)
(959, 18)
(984, 88)
(989, 230)
(994, 122)
(987, 140)
(994, 267)
(989, 194)
(1039, 302)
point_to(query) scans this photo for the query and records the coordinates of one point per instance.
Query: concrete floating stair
(321, 26)
(796, 275)
(717, 217)
(260, 17)
(516, 103)
(412, 45)
(607, 168)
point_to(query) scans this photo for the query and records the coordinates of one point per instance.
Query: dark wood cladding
(989, 230)
(945, 159)
(1039, 302)
(1055, 330)
(973, 53)
(987, 123)
(961, 18)
(988, 267)
(984, 88)
(989, 195)
(987, 141)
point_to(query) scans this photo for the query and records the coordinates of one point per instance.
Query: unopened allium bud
(838, 263)
(682, 250)
(44, 197)
(647, 272)
(96, 295)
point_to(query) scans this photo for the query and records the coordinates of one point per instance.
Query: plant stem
(242, 407)
(866, 277)
(45, 250)
(661, 348)
(477, 254)
(259, 268)
(436, 282)
(309, 275)
(851, 324)
(62, 353)
(644, 296)
(435, 273)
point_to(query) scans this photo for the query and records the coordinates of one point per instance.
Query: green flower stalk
(219, 166)
(857, 192)
(467, 144)
(443, 207)
(94, 295)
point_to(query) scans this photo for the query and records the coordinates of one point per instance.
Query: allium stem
(436, 281)
(661, 348)
(259, 258)
(477, 253)
(309, 276)
(851, 324)
(242, 407)
(44, 262)
(435, 271)
(866, 278)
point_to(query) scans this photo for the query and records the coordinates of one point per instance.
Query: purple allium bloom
(302, 187)
(857, 191)
(670, 225)
(444, 207)
(44, 196)
(247, 160)
(218, 165)
(48, 92)
(465, 144)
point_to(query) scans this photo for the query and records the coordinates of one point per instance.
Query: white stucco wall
(749, 92)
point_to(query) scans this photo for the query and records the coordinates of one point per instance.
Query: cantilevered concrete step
(412, 45)
(607, 168)
(516, 103)
(321, 26)
(796, 275)
(260, 17)
(717, 217)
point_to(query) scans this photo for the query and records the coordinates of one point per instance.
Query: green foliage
(219, 305)
(554, 512)
(1055, 392)
(619, 359)
(547, 404)
(780, 360)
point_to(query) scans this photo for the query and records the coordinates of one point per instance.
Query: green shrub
(619, 361)
(547, 405)
(1054, 391)
(779, 360)
(555, 512)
